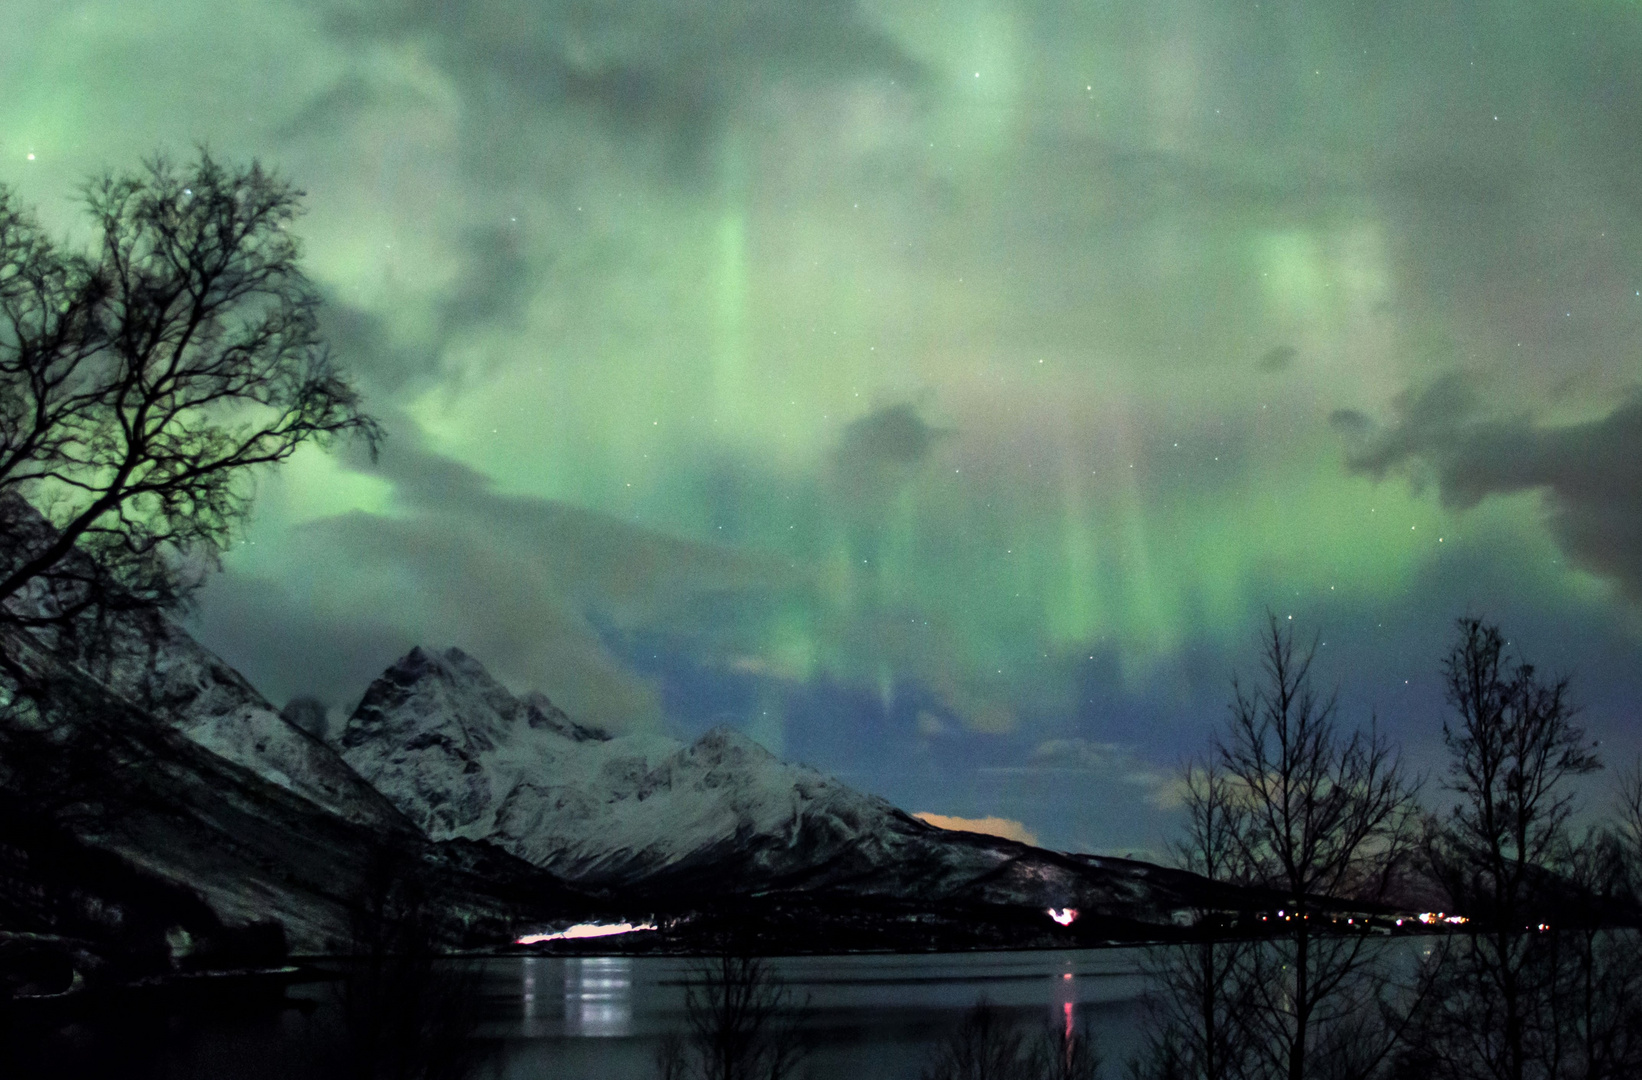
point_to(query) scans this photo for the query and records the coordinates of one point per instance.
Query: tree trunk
(1302, 1004)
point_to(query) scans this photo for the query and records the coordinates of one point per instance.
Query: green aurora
(980, 350)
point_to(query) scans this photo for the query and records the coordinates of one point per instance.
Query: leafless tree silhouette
(1066, 1052)
(742, 1025)
(1541, 987)
(1326, 813)
(409, 1012)
(988, 1045)
(142, 380)
(1198, 1006)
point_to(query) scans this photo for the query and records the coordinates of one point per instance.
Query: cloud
(894, 435)
(662, 67)
(1589, 473)
(1078, 754)
(490, 291)
(529, 585)
(1279, 358)
(1109, 760)
(1350, 423)
(289, 646)
(988, 826)
(879, 452)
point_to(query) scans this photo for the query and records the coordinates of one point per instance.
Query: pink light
(1064, 916)
(585, 930)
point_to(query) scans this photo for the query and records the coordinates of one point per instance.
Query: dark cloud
(288, 646)
(594, 557)
(363, 342)
(447, 581)
(894, 435)
(1278, 358)
(1350, 422)
(531, 586)
(324, 115)
(497, 281)
(879, 453)
(668, 66)
(491, 291)
(1590, 473)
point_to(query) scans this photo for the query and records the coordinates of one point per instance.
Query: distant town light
(1431, 918)
(1064, 916)
(585, 930)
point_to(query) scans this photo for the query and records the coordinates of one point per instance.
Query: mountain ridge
(645, 816)
(505, 813)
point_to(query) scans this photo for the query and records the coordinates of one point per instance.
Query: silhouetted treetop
(142, 378)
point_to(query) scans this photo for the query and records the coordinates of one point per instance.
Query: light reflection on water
(603, 1018)
(866, 1016)
(598, 996)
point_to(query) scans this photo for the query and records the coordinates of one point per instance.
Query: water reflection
(1063, 1000)
(598, 996)
(527, 993)
(868, 1016)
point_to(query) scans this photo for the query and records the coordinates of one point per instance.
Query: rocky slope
(157, 666)
(119, 829)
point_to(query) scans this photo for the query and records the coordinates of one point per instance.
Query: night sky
(940, 391)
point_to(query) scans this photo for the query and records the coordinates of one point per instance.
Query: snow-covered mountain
(506, 811)
(121, 825)
(144, 777)
(462, 757)
(642, 814)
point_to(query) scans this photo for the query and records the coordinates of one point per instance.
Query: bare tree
(1197, 1007)
(1514, 745)
(142, 380)
(987, 1045)
(1327, 814)
(1629, 830)
(1506, 859)
(409, 1011)
(1592, 965)
(1067, 1052)
(741, 1025)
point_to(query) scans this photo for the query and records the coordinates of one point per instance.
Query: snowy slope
(155, 665)
(462, 757)
(160, 668)
(115, 826)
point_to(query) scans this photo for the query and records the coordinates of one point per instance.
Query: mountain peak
(726, 744)
(540, 712)
(420, 663)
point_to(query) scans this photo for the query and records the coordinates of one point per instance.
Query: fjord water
(580, 1018)
(866, 1016)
